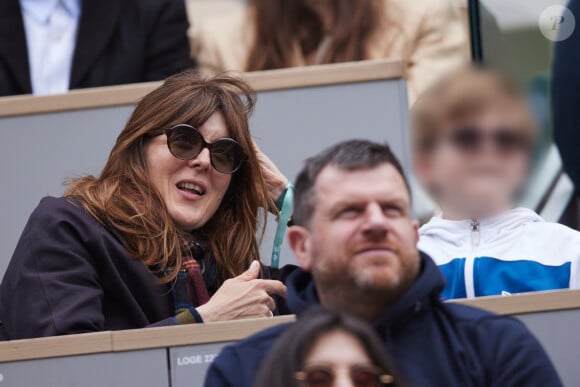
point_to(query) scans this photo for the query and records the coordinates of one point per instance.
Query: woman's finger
(270, 303)
(273, 287)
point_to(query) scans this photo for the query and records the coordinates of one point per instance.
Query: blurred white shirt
(51, 29)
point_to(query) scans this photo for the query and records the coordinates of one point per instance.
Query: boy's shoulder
(554, 228)
(438, 229)
(549, 235)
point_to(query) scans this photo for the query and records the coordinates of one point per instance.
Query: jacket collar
(96, 27)
(492, 229)
(13, 49)
(423, 294)
(302, 294)
(42, 9)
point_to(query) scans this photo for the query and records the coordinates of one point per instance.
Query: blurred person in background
(565, 97)
(51, 46)
(473, 138)
(356, 242)
(167, 234)
(429, 35)
(327, 349)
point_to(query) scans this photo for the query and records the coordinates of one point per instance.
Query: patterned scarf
(191, 290)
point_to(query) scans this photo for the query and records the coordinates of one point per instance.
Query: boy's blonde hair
(459, 96)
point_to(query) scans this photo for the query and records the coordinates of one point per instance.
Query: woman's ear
(299, 241)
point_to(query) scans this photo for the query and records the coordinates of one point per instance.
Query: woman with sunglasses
(167, 234)
(327, 349)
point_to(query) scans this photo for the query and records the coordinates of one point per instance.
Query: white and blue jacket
(515, 252)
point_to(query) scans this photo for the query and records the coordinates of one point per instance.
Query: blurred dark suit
(118, 41)
(566, 98)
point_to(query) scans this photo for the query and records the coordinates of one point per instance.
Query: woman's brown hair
(280, 23)
(124, 199)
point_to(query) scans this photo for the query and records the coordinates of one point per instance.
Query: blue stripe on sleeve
(454, 273)
(492, 276)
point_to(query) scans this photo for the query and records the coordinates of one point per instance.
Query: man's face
(361, 233)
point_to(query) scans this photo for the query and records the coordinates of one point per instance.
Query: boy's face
(479, 164)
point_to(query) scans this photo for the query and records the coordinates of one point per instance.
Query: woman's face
(339, 354)
(191, 189)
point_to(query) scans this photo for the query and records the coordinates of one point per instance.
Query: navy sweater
(70, 274)
(432, 343)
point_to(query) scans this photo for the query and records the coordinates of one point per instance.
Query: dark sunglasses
(186, 143)
(361, 376)
(506, 141)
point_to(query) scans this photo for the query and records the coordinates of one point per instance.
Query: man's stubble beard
(342, 285)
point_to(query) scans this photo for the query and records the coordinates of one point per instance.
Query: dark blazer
(432, 343)
(118, 41)
(70, 274)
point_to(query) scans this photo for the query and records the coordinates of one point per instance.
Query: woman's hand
(275, 180)
(244, 296)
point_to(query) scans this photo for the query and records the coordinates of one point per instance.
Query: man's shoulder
(466, 314)
(508, 351)
(491, 334)
(253, 346)
(475, 321)
(238, 364)
(260, 341)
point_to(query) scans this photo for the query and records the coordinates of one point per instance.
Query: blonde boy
(473, 138)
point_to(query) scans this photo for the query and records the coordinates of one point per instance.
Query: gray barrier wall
(186, 366)
(557, 331)
(40, 151)
(124, 369)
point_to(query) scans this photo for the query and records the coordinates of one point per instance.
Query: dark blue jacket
(432, 343)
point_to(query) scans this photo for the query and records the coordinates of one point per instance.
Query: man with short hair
(355, 240)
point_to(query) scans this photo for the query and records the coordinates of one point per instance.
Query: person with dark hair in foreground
(356, 242)
(326, 349)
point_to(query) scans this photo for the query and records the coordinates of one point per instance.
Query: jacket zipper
(470, 261)
(474, 233)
